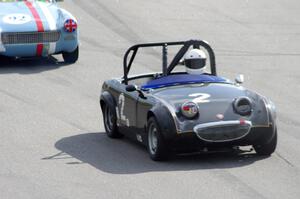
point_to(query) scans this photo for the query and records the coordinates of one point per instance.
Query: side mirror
(239, 79)
(131, 88)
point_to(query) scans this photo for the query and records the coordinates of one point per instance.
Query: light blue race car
(30, 28)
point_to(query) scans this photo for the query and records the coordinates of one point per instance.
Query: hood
(212, 99)
(201, 93)
(28, 17)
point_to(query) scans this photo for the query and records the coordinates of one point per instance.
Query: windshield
(8, 1)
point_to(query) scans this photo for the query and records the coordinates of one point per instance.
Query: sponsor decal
(17, 19)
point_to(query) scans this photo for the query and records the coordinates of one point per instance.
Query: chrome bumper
(223, 131)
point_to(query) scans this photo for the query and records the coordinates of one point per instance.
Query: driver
(195, 61)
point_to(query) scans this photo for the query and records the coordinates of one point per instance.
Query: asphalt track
(52, 141)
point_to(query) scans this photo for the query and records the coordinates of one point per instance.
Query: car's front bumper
(190, 141)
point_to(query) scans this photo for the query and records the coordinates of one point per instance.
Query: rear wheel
(110, 122)
(71, 57)
(156, 145)
(267, 148)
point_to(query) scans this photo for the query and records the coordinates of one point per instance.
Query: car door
(126, 111)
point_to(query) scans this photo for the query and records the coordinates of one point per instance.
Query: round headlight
(242, 106)
(189, 109)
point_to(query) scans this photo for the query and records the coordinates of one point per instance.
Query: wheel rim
(152, 138)
(108, 119)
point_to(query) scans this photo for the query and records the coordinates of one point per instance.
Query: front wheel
(156, 145)
(71, 57)
(269, 147)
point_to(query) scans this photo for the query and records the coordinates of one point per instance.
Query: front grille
(226, 133)
(222, 131)
(30, 37)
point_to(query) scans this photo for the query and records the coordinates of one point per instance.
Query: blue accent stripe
(180, 79)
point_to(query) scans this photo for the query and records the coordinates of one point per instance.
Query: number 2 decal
(120, 110)
(200, 97)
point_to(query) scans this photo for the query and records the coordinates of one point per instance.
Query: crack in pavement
(284, 159)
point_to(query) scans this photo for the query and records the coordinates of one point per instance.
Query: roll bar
(167, 69)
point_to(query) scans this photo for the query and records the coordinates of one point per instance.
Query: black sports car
(175, 111)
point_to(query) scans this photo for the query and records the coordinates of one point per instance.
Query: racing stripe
(2, 48)
(52, 24)
(39, 24)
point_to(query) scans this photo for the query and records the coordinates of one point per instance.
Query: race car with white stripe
(37, 28)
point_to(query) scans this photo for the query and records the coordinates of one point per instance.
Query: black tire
(268, 148)
(110, 122)
(6, 60)
(71, 57)
(157, 149)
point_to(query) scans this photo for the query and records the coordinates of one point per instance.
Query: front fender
(271, 111)
(272, 116)
(66, 15)
(69, 41)
(107, 99)
(165, 120)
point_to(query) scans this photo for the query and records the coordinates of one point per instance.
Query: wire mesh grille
(30, 37)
